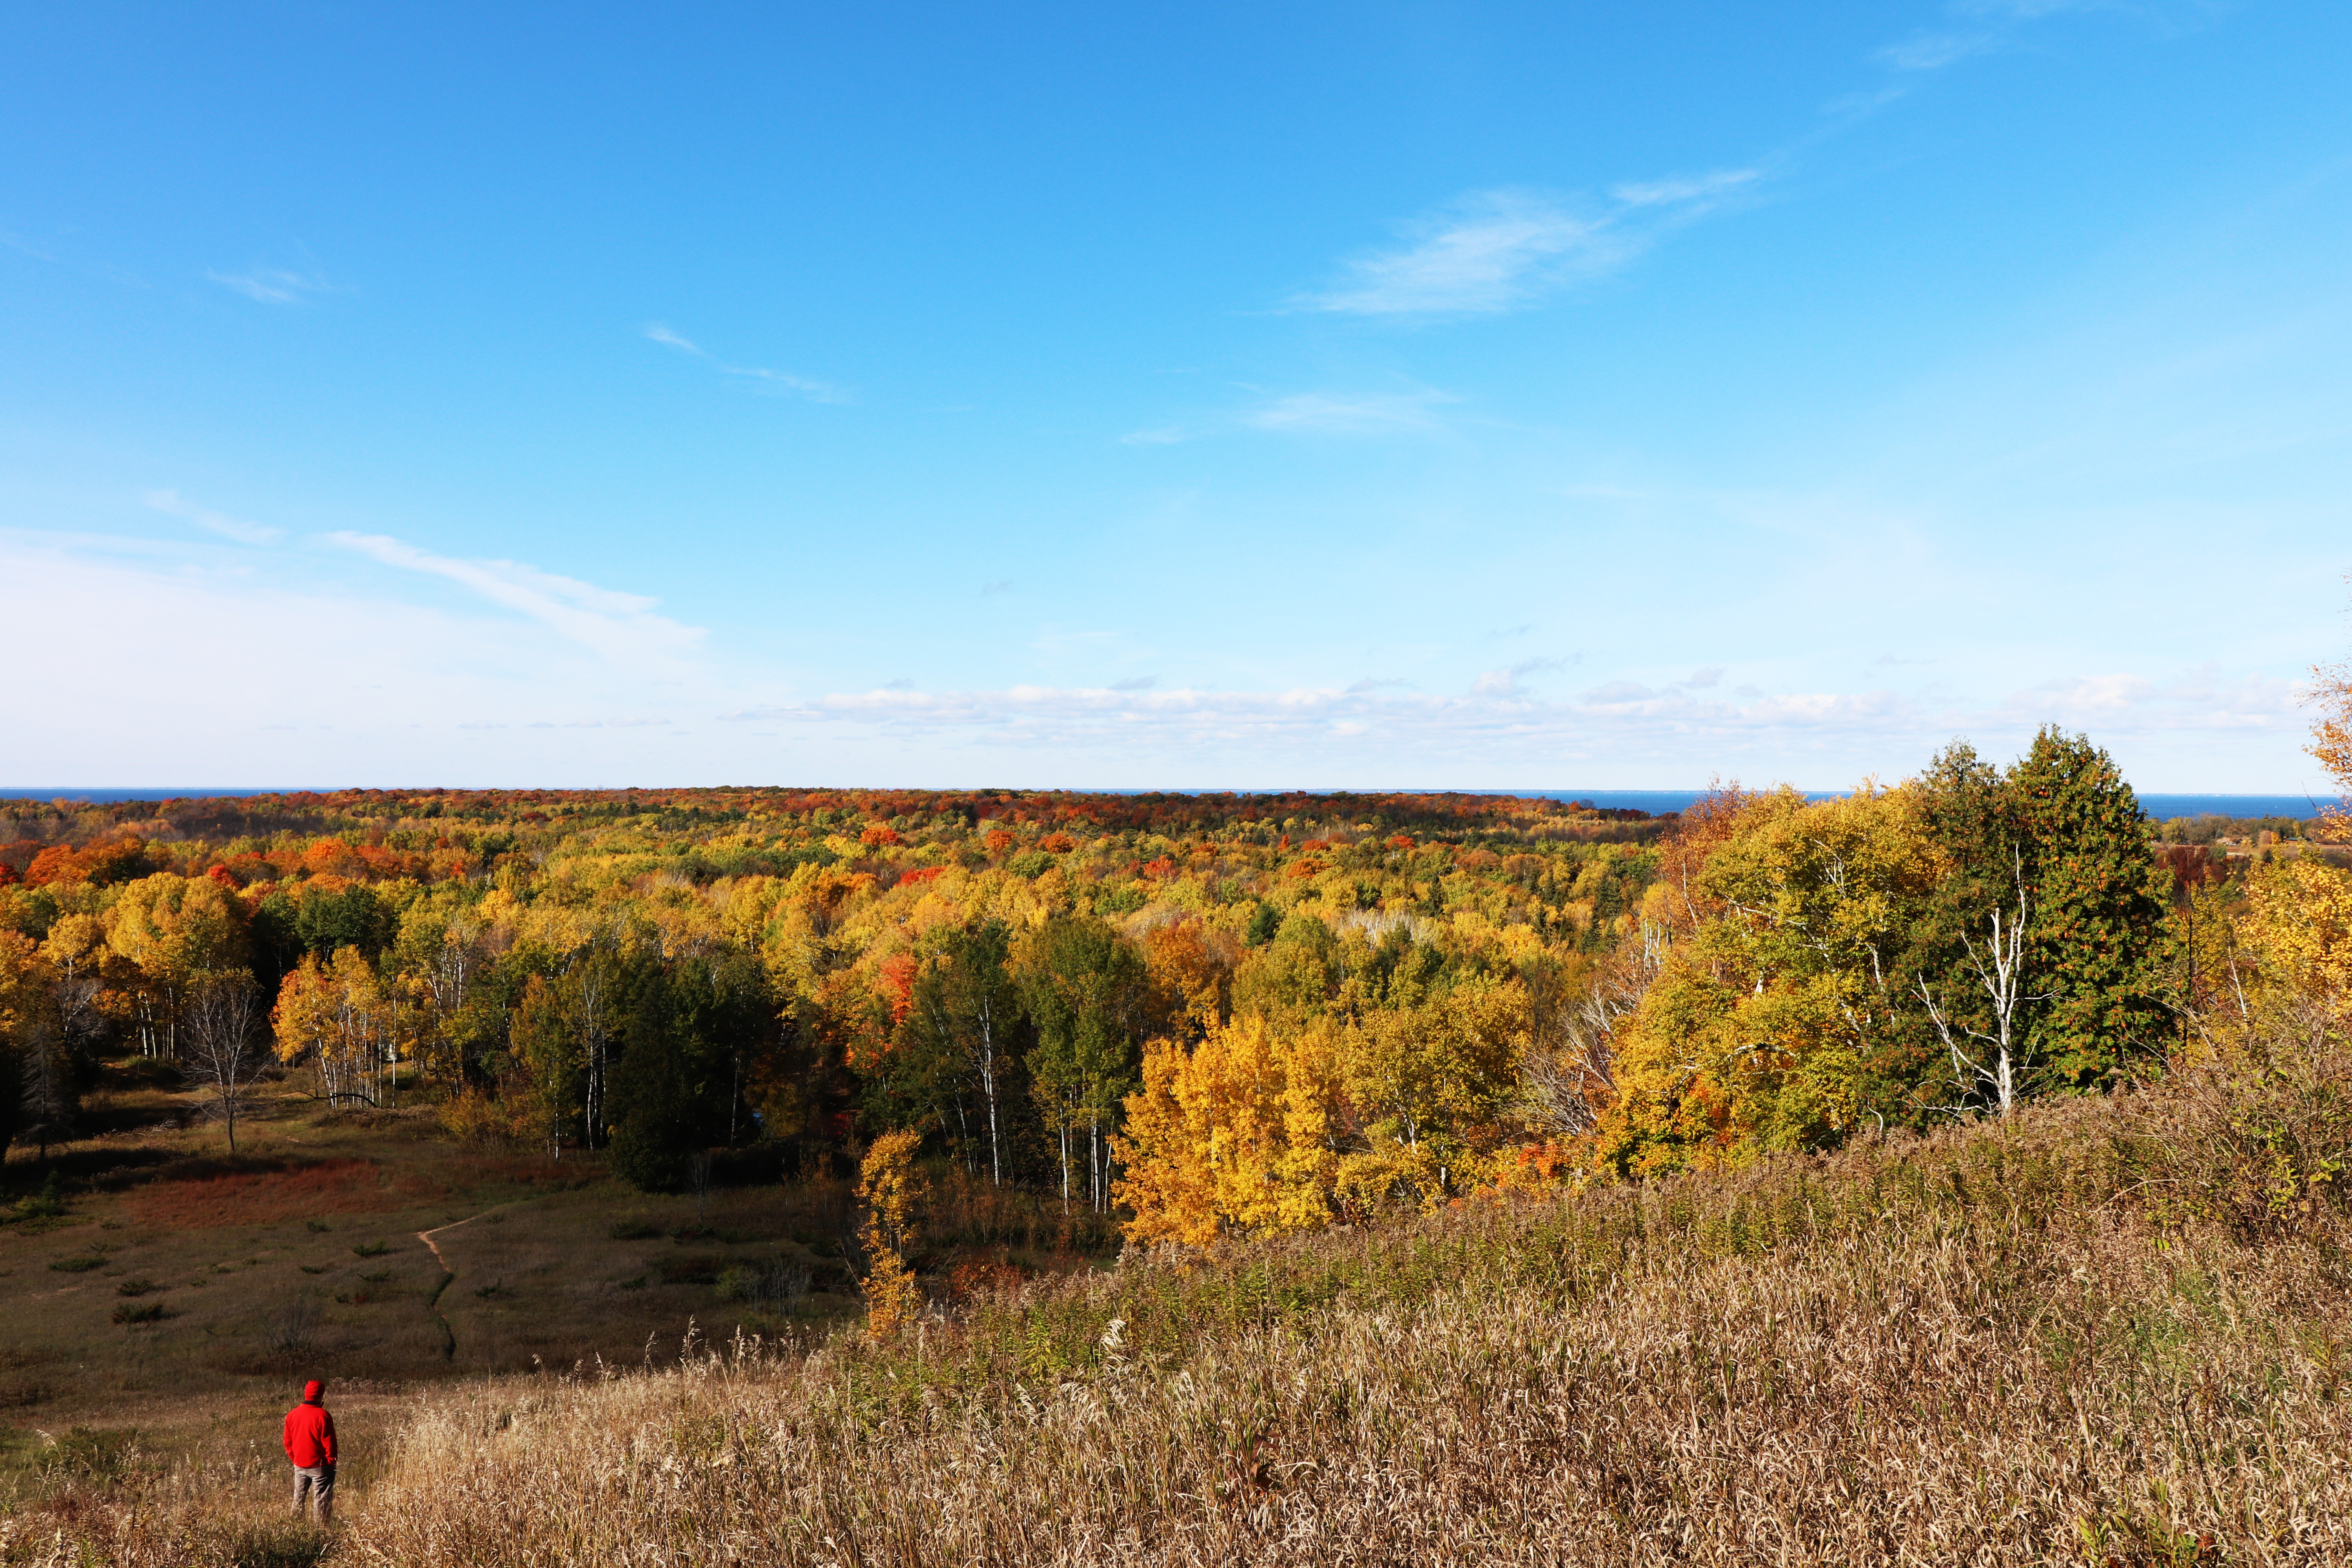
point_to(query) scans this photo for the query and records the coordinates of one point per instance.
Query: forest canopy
(1205, 1013)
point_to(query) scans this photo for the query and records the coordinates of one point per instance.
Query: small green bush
(139, 1288)
(372, 1249)
(81, 1264)
(152, 1311)
(635, 1230)
(47, 1204)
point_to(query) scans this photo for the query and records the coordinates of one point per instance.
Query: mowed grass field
(182, 1294)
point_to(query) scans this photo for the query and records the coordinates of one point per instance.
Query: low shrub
(691, 1268)
(764, 1284)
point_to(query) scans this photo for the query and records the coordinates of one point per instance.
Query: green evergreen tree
(2059, 840)
(2098, 942)
(687, 1041)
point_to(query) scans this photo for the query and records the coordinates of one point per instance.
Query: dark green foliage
(325, 923)
(688, 1035)
(2061, 832)
(1090, 1004)
(959, 1070)
(1300, 971)
(1264, 923)
(2096, 943)
(277, 945)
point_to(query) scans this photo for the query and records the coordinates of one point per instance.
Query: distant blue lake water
(2161, 806)
(101, 796)
(1655, 801)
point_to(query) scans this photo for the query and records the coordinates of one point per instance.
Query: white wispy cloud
(1934, 52)
(2123, 703)
(1685, 192)
(622, 627)
(1409, 412)
(170, 503)
(1079, 716)
(1350, 414)
(1503, 682)
(1499, 717)
(656, 332)
(806, 386)
(274, 285)
(1497, 250)
(1986, 25)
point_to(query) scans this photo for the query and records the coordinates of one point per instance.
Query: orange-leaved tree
(2331, 740)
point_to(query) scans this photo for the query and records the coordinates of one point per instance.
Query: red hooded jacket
(310, 1431)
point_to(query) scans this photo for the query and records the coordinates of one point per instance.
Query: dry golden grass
(2112, 1332)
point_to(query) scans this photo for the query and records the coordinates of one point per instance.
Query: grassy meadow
(2086, 1334)
(161, 1301)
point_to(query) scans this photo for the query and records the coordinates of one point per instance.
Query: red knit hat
(312, 1390)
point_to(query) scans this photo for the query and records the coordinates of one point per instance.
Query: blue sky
(1544, 396)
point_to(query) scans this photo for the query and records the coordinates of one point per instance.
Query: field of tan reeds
(2109, 1331)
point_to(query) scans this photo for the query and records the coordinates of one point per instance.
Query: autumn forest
(1201, 1015)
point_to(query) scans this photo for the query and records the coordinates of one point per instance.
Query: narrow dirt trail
(448, 1275)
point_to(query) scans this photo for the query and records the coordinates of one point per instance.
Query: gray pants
(318, 1481)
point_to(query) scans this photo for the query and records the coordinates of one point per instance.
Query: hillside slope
(2104, 1331)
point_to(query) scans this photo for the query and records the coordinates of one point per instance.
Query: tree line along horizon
(1208, 1014)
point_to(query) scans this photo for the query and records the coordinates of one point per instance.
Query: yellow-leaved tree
(2331, 740)
(1768, 1025)
(1431, 1085)
(336, 1015)
(1234, 1134)
(172, 929)
(892, 1189)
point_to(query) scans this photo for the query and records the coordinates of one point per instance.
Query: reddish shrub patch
(974, 1274)
(270, 1197)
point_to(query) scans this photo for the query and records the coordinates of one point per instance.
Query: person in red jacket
(311, 1445)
